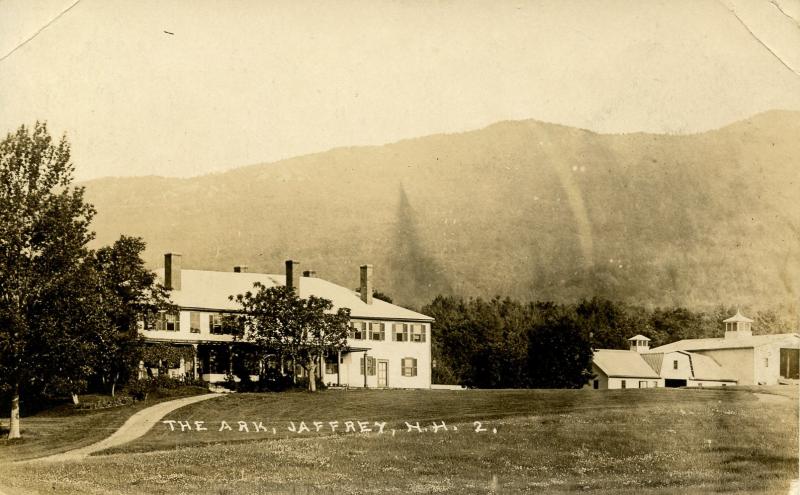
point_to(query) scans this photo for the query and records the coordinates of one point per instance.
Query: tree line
(504, 343)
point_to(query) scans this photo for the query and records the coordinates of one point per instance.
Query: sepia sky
(245, 82)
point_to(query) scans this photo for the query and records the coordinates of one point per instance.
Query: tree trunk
(114, 384)
(13, 426)
(312, 375)
(75, 399)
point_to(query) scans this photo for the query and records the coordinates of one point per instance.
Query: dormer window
(675, 364)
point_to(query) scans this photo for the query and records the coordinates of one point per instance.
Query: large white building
(738, 358)
(750, 359)
(388, 346)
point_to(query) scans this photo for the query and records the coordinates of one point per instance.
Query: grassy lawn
(65, 428)
(546, 441)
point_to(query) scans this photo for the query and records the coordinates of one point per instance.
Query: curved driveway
(135, 427)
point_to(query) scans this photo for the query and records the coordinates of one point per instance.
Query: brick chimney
(172, 271)
(240, 268)
(366, 283)
(310, 273)
(293, 275)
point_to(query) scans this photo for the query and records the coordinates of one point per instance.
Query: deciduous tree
(277, 320)
(43, 235)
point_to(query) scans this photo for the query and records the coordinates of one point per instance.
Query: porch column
(230, 359)
(339, 368)
(194, 361)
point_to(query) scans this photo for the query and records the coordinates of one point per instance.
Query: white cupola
(738, 326)
(639, 343)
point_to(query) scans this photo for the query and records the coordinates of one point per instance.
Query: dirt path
(135, 427)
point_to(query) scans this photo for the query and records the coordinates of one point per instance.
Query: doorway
(671, 382)
(383, 373)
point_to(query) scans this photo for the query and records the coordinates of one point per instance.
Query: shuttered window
(399, 332)
(377, 331)
(417, 333)
(169, 322)
(409, 366)
(358, 330)
(370, 366)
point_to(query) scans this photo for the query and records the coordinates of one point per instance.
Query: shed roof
(210, 290)
(616, 363)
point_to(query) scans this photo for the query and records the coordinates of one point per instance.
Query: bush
(105, 403)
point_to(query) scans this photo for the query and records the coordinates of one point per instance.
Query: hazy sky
(249, 81)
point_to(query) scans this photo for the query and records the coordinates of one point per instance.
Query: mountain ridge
(520, 208)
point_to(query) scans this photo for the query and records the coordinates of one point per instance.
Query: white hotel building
(393, 342)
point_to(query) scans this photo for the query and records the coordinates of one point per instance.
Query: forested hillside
(524, 209)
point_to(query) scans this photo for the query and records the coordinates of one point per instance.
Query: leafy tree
(559, 353)
(277, 320)
(383, 297)
(43, 235)
(606, 322)
(63, 349)
(129, 294)
(378, 295)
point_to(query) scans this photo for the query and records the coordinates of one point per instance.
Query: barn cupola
(738, 326)
(639, 343)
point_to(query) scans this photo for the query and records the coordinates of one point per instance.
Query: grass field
(653, 441)
(64, 427)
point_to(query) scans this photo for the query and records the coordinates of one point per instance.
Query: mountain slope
(524, 209)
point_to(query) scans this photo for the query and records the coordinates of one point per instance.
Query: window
(358, 330)
(194, 322)
(331, 366)
(218, 326)
(377, 331)
(766, 362)
(675, 364)
(399, 332)
(417, 332)
(370, 366)
(642, 384)
(596, 384)
(623, 384)
(409, 366)
(654, 383)
(169, 322)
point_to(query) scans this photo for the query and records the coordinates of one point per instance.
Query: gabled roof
(791, 339)
(639, 337)
(204, 289)
(616, 363)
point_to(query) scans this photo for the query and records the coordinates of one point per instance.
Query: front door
(383, 373)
